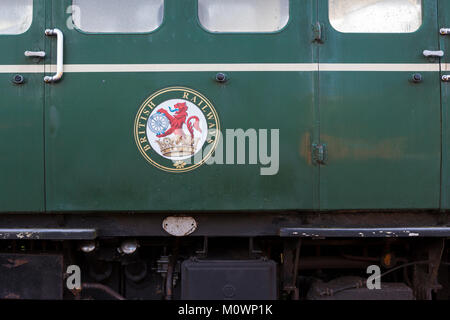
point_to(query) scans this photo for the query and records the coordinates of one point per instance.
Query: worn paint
(306, 148)
(14, 263)
(357, 149)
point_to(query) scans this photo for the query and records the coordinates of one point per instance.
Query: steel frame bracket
(47, 234)
(437, 232)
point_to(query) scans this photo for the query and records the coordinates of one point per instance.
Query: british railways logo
(176, 129)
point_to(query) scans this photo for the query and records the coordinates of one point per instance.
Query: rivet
(221, 77)
(18, 79)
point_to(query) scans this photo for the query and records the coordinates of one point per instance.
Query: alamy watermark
(72, 11)
(73, 281)
(250, 147)
(374, 280)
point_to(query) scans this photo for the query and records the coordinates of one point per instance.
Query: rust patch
(11, 296)
(14, 263)
(305, 148)
(343, 148)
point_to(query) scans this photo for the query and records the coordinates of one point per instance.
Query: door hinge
(319, 153)
(318, 32)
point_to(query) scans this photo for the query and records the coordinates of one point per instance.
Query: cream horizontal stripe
(446, 67)
(237, 67)
(379, 67)
(266, 67)
(250, 67)
(21, 69)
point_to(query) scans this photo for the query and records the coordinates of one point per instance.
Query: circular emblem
(176, 129)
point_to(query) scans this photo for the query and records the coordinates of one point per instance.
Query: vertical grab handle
(59, 55)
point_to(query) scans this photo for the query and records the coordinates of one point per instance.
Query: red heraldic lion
(178, 120)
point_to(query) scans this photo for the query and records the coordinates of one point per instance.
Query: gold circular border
(146, 156)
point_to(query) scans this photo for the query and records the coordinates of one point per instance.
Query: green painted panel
(21, 122)
(444, 22)
(382, 130)
(93, 163)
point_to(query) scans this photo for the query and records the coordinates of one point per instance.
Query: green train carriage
(112, 117)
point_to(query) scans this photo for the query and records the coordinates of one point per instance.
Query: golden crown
(178, 146)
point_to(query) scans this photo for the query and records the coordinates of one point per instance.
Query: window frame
(197, 17)
(77, 28)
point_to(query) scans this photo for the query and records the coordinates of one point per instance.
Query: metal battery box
(228, 280)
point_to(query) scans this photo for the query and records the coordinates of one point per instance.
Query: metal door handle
(446, 78)
(429, 53)
(59, 55)
(35, 54)
(444, 31)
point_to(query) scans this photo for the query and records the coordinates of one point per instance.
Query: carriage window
(15, 16)
(243, 15)
(118, 16)
(376, 16)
